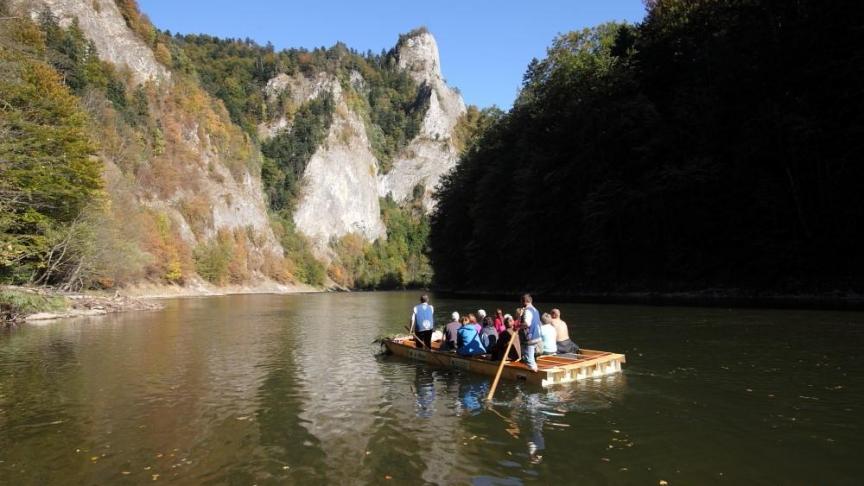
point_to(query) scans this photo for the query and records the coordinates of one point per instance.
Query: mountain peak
(417, 54)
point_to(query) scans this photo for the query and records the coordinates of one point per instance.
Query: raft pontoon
(553, 369)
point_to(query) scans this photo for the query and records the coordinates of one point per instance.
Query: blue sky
(485, 45)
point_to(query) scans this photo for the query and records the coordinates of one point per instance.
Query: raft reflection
(451, 402)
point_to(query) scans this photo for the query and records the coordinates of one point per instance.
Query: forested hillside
(391, 105)
(172, 159)
(237, 71)
(111, 176)
(716, 145)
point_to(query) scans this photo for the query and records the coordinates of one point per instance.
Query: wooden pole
(501, 366)
(411, 331)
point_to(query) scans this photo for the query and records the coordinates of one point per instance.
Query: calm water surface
(289, 389)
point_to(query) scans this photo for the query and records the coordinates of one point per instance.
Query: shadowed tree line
(717, 144)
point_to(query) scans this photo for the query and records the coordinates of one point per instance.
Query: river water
(264, 389)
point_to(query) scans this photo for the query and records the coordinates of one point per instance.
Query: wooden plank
(560, 360)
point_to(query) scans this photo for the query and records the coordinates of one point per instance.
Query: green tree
(48, 168)
(712, 145)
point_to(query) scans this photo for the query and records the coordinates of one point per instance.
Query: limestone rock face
(342, 183)
(339, 194)
(432, 153)
(238, 203)
(299, 89)
(418, 56)
(102, 22)
(234, 201)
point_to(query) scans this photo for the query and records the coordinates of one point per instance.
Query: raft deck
(553, 369)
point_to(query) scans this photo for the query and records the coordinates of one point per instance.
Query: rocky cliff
(339, 188)
(205, 176)
(103, 23)
(433, 152)
(343, 180)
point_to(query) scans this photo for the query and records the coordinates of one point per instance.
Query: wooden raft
(553, 369)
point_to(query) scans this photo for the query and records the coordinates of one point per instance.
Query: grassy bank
(16, 304)
(20, 304)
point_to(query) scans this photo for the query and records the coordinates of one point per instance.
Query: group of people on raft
(484, 335)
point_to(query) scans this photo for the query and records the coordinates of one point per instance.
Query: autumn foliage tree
(48, 169)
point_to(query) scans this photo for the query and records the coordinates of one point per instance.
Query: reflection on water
(289, 389)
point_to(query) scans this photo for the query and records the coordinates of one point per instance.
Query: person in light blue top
(550, 336)
(470, 343)
(422, 322)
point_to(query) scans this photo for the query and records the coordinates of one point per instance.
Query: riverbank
(698, 298)
(26, 304)
(37, 304)
(203, 289)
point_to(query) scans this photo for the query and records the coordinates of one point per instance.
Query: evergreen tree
(713, 145)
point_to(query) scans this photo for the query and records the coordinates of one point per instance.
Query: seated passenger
(501, 344)
(565, 345)
(469, 340)
(473, 320)
(488, 334)
(547, 330)
(499, 320)
(451, 332)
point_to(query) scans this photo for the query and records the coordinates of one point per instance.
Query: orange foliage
(278, 268)
(137, 21)
(172, 257)
(340, 275)
(198, 214)
(238, 266)
(163, 55)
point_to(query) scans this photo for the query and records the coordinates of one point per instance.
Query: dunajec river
(289, 389)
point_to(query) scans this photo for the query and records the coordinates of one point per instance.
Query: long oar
(514, 427)
(501, 368)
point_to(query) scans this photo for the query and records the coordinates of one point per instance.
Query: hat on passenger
(481, 313)
(454, 316)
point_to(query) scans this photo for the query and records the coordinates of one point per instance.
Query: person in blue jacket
(469, 342)
(422, 322)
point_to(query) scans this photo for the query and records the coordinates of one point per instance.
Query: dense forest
(715, 145)
(52, 193)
